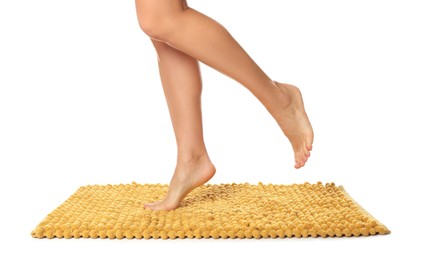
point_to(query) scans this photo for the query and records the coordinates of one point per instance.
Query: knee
(150, 26)
(156, 26)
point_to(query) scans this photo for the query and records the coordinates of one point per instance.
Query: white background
(81, 103)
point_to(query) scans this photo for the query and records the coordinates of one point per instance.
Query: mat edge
(344, 191)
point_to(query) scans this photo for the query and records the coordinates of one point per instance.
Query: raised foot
(294, 122)
(187, 177)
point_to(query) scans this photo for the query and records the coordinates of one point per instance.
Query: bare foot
(294, 122)
(187, 177)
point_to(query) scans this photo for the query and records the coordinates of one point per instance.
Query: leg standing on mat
(182, 35)
(182, 85)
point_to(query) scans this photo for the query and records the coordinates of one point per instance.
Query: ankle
(284, 97)
(191, 157)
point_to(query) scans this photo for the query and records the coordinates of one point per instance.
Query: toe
(160, 205)
(309, 141)
(309, 145)
(156, 202)
(302, 158)
(150, 205)
(306, 152)
(299, 160)
(302, 163)
(299, 165)
(303, 155)
(154, 206)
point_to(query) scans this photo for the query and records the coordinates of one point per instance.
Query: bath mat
(234, 210)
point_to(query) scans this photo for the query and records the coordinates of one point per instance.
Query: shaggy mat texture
(210, 211)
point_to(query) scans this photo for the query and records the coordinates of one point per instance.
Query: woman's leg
(181, 81)
(204, 39)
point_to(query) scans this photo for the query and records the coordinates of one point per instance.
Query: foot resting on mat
(188, 175)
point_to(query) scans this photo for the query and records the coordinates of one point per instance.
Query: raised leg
(204, 39)
(181, 81)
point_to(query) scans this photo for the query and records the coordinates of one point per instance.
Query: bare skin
(181, 81)
(182, 36)
(293, 121)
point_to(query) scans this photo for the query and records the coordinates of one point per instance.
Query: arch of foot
(213, 211)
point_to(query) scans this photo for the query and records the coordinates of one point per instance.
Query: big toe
(299, 165)
(300, 160)
(150, 205)
(153, 206)
(161, 205)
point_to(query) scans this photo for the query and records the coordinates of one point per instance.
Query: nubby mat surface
(210, 211)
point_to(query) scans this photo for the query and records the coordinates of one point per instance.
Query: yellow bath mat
(210, 211)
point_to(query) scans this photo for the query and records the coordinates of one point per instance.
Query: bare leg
(204, 39)
(181, 81)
